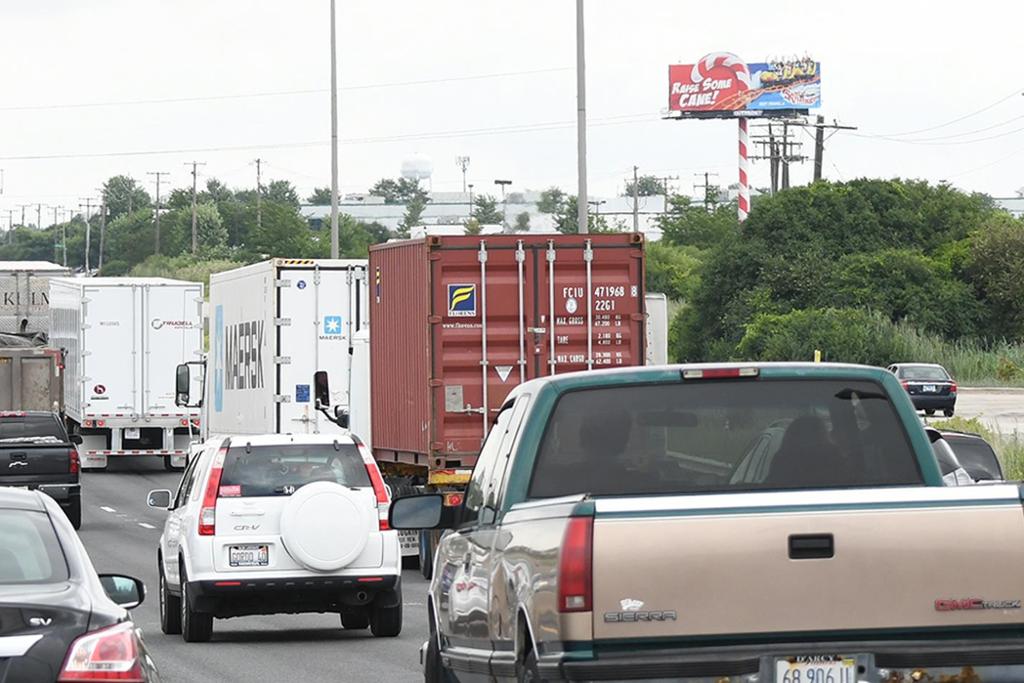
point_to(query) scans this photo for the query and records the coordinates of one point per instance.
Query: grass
(1009, 447)
(970, 362)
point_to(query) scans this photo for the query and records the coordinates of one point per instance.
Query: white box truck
(656, 308)
(25, 295)
(272, 326)
(123, 338)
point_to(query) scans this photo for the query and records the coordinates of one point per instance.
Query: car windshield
(923, 373)
(22, 427)
(723, 436)
(29, 549)
(976, 456)
(281, 470)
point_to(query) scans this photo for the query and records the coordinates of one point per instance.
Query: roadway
(121, 532)
(999, 409)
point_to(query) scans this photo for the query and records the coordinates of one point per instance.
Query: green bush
(183, 268)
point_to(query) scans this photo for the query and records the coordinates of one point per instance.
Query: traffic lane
(999, 409)
(116, 532)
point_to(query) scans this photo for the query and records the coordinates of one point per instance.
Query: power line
(280, 93)
(984, 109)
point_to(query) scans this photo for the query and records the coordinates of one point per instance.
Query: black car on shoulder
(59, 620)
(975, 454)
(930, 387)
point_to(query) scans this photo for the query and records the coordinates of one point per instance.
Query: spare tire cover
(324, 525)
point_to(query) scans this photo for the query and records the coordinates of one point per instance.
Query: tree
(522, 222)
(400, 191)
(647, 186)
(413, 212)
(321, 196)
(473, 227)
(567, 220)
(486, 210)
(686, 223)
(180, 198)
(671, 270)
(996, 268)
(282, 192)
(123, 195)
(216, 191)
(283, 233)
(552, 200)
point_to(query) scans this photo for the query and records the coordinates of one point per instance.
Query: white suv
(278, 524)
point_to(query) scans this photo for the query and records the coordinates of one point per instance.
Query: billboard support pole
(743, 201)
(582, 198)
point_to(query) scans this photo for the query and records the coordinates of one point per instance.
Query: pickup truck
(765, 522)
(37, 453)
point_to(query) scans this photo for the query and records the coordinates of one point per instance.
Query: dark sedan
(930, 386)
(59, 620)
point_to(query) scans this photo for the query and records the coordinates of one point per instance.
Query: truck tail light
(108, 654)
(208, 512)
(575, 566)
(74, 465)
(720, 373)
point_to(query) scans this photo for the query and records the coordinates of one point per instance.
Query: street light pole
(334, 137)
(504, 203)
(581, 123)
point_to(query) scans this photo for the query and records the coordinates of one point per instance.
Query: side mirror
(126, 591)
(160, 499)
(321, 389)
(428, 511)
(341, 417)
(75, 439)
(182, 386)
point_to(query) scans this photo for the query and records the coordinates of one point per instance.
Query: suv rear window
(281, 470)
(29, 549)
(723, 436)
(35, 427)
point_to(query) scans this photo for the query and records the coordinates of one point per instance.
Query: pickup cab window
(32, 428)
(488, 470)
(707, 436)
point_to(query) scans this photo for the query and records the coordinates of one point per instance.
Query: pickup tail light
(108, 654)
(208, 512)
(720, 373)
(575, 566)
(74, 464)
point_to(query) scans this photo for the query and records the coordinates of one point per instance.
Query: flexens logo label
(462, 301)
(243, 355)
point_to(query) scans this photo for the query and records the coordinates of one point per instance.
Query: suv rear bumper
(297, 595)
(989, 660)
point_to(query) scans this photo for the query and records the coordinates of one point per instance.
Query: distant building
(1015, 205)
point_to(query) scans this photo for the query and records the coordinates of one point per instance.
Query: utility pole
(463, 163)
(819, 146)
(335, 241)
(773, 154)
(103, 228)
(158, 175)
(636, 201)
(504, 203)
(23, 207)
(259, 193)
(195, 233)
(786, 149)
(707, 187)
(581, 123)
(665, 188)
(471, 200)
(39, 216)
(88, 229)
(63, 233)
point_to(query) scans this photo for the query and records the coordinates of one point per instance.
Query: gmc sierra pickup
(37, 453)
(756, 523)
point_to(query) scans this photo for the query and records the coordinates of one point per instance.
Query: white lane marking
(106, 509)
(146, 525)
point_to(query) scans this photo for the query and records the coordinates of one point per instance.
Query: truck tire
(74, 512)
(195, 626)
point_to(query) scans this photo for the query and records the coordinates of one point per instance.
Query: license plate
(929, 388)
(131, 433)
(248, 555)
(816, 669)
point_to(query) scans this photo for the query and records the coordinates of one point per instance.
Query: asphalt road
(121, 534)
(1000, 409)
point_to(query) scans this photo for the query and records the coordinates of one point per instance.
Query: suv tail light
(575, 566)
(73, 462)
(109, 654)
(208, 512)
(381, 491)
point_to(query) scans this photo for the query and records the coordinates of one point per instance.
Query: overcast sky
(888, 67)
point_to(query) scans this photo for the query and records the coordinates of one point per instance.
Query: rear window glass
(31, 427)
(723, 436)
(976, 456)
(923, 372)
(29, 549)
(281, 470)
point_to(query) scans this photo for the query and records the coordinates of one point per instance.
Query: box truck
(122, 339)
(657, 328)
(25, 295)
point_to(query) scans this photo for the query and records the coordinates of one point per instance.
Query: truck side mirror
(341, 417)
(182, 386)
(322, 389)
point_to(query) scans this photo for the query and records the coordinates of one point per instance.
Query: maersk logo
(333, 327)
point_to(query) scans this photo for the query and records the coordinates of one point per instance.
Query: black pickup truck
(37, 453)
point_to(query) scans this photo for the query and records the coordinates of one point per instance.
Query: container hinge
(316, 275)
(588, 252)
(282, 283)
(281, 398)
(86, 353)
(436, 383)
(282, 322)
(86, 300)
(282, 360)
(434, 319)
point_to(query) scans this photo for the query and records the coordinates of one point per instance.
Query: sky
(94, 88)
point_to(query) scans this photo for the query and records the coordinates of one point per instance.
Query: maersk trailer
(122, 339)
(272, 326)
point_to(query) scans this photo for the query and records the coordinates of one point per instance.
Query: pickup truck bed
(36, 453)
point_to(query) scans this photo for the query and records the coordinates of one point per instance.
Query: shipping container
(273, 325)
(25, 295)
(657, 328)
(122, 339)
(456, 322)
(30, 379)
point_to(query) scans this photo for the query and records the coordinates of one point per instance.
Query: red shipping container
(448, 312)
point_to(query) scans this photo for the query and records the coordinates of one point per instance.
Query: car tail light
(73, 463)
(952, 387)
(208, 512)
(720, 373)
(109, 654)
(905, 384)
(575, 571)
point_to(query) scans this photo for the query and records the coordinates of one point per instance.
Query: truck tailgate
(18, 460)
(808, 562)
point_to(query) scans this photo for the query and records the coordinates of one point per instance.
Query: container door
(172, 333)
(111, 351)
(322, 309)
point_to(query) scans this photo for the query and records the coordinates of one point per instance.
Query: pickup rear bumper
(984, 660)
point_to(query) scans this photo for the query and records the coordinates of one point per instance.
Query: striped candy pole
(743, 201)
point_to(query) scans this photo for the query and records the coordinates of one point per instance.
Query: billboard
(722, 82)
